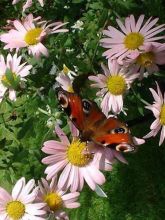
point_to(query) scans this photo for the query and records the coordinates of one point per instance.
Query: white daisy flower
(20, 204)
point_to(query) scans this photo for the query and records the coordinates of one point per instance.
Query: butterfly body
(93, 124)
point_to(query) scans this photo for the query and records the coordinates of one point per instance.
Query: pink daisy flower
(73, 159)
(30, 33)
(18, 72)
(131, 41)
(28, 3)
(158, 109)
(21, 203)
(113, 85)
(56, 200)
(148, 60)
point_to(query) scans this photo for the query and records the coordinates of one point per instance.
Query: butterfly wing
(93, 124)
(109, 132)
(84, 114)
(72, 105)
(114, 134)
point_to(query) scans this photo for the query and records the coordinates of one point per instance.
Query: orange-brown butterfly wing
(72, 105)
(114, 133)
(84, 114)
(93, 124)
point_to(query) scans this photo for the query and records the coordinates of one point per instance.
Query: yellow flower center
(78, 154)
(116, 85)
(162, 115)
(32, 36)
(70, 89)
(15, 210)
(65, 70)
(133, 40)
(146, 59)
(54, 201)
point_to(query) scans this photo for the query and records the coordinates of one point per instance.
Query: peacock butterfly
(93, 124)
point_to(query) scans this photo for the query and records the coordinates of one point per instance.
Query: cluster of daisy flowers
(28, 201)
(133, 52)
(71, 163)
(74, 163)
(27, 33)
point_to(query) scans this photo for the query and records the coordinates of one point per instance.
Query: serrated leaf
(5, 107)
(27, 128)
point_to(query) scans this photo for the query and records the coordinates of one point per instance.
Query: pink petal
(155, 124)
(4, 195)
(70, 196)
(55, 158)
(41, 3)
(114, 33)
(132, 23)
(81, 180)
(139, 23)
(54, 169)
(138, 141)
(75, 182)
(43, 49)
(162, 135)
(73, 205)
(122, 26)
(120, 157)
(28, 187)
(18, 188)
(61, 135)
(64, 177)
(19, 26)
(145, 28)
(127, 24)
(12, 94)
(96, 175)
(73, 129)
(88, 178)
(155, 95)
(51, 147)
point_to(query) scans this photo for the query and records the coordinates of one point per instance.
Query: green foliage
(135, 191)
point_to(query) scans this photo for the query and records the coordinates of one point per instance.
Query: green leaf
(27, 129)
(96, 5)
(77, 1)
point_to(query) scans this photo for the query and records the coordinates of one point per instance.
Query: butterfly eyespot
(86, 106)
(120, 130)
(124, 147)
(63, 100)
